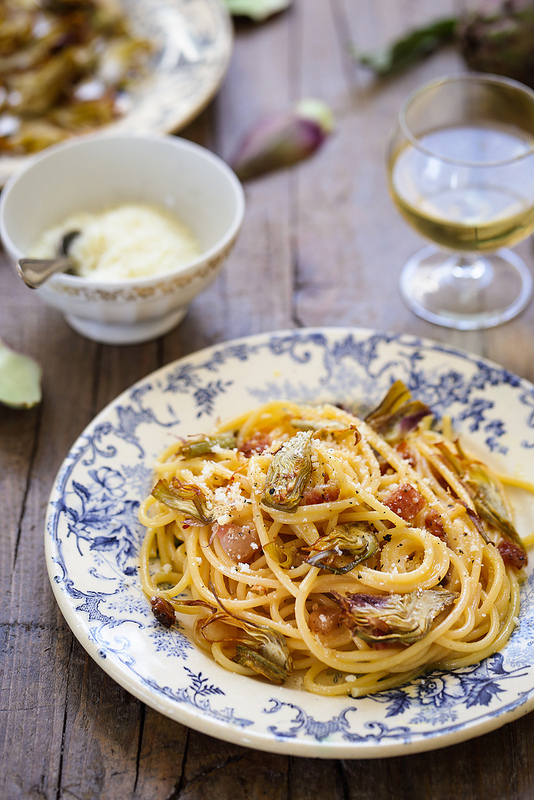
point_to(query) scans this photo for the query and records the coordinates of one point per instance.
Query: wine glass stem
(469, 274)
(471, 268)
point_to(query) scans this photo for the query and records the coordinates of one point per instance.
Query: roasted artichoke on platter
(66, 67)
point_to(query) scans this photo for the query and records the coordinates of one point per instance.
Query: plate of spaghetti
(312, 542)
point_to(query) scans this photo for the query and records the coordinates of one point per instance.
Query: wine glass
(461, 171)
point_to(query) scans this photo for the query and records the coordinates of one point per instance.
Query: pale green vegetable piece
(186, 498)
(256, 9)
(261, 648)
(355, 540)
(20, 379)
(288, 473)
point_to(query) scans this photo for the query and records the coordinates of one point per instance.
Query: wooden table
(322, 245)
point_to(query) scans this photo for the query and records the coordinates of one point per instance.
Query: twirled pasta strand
(179, 557)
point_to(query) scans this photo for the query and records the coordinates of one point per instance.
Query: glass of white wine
(461, 171)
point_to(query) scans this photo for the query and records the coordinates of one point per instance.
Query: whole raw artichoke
(498, 37)
(493, 36)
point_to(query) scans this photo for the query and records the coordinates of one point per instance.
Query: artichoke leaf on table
(20, 379)
(257, 10)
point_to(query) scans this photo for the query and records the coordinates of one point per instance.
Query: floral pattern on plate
(93, 539)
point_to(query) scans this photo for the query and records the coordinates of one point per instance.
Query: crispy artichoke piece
(488, 500)
(344, 547)
(17, 49)
(275, 667)
(32, 136)
(485, 492)
(259, 646)
(330, 428)
(397, 414)
(186, 498)
(283, 554)
(404, 618)
(84, 115)
(204, 445)
(123, 60)
(38, 90)
(288, 473)
(265, 651)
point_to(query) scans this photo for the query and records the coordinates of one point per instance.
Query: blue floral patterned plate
(93, 538)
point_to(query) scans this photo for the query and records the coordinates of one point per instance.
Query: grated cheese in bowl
(133, 240)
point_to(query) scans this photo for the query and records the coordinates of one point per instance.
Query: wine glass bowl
(461, 172)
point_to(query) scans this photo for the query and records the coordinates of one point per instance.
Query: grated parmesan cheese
(134, 240)
(228, 502)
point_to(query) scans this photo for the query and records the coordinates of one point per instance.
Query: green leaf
(408, 50)
(257, 10)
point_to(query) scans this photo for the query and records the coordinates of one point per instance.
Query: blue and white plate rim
(436, 711)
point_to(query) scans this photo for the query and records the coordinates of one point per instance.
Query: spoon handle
(35, 271)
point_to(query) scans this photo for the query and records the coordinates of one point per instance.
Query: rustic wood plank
(161, 757)
(32, 703)
(321, 245)
(217, 770)
(478, 769)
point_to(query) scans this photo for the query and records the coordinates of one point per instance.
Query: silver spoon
(35, 271)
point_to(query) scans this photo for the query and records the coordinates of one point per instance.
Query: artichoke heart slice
(405, 618)
(353, 540)
(484, 491)
(259, 647)
(282, 554)
(288, 473)
(268, 656)
(332, 427)
(397, 414)
(488, 500)
(185, 498)
(207, 445)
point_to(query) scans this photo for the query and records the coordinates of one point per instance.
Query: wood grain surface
(321, 245)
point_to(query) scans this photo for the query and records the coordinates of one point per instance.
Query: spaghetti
(340, 554)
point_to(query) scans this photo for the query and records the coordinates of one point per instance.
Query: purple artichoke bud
(498, 37)
(284, 139)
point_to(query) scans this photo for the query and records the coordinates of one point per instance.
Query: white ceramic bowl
(91, 173)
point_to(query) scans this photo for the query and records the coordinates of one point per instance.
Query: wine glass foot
(485, 291)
